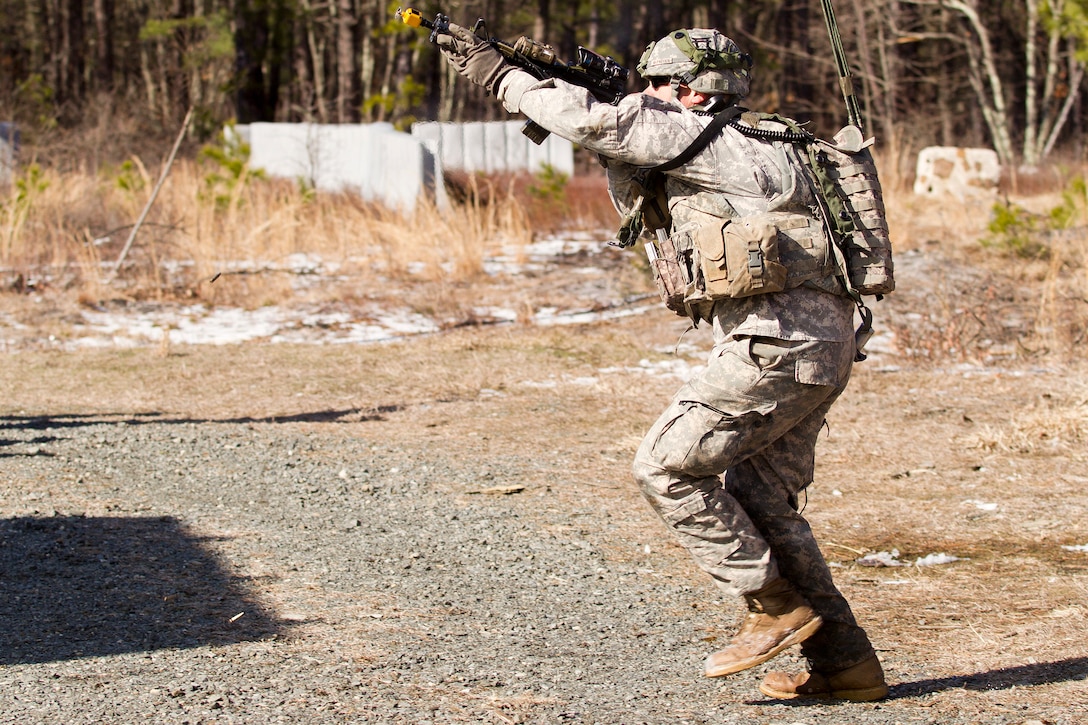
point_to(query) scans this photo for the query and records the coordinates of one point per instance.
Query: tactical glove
(473, 57)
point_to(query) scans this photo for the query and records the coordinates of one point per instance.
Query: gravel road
(187, 571)
(383, 596)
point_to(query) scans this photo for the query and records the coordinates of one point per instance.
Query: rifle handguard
(600, 75)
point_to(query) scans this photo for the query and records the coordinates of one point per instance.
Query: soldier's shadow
(1041, 673)
(1074, 668)
(58, 425)
(81, 587)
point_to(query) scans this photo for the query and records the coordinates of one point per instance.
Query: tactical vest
(844, 249)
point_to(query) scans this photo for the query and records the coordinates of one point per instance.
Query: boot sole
(865, 694)
(795, 637)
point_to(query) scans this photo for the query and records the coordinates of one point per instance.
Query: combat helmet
(703, 60)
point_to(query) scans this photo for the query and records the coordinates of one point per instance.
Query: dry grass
(65, 231)
(235, 239)
(980, 298)
(1049, 426)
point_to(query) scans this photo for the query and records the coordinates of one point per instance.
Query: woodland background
(1007, 74)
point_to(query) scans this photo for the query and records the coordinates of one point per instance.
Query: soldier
(725, 463)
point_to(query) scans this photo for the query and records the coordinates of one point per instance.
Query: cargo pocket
(703, 441)
(710, 538)
(825, 363)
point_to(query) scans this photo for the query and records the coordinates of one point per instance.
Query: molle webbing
(857, 203)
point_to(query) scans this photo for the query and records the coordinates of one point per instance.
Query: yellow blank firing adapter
(410, 17)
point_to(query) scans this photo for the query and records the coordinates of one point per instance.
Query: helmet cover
(704, 60)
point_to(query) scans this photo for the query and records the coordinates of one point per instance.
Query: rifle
(600, 75)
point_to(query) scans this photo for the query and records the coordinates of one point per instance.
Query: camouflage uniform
(779, 361)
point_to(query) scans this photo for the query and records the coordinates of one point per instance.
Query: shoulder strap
(652, 212)
(713, 129)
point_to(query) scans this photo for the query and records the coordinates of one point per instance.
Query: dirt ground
(444, 529)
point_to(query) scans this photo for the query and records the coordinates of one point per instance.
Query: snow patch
(891, 558)
(936, 559)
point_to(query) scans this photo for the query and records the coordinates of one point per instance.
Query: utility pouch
(671, 273)
(739, 258)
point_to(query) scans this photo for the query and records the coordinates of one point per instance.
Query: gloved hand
(473, 58)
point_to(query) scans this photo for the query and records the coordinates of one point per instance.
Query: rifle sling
(653, 206)
(713, 129)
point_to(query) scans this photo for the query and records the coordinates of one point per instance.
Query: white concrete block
(395, 171)
(537, 157)
(9, 146)
(473, 144)
(434, 179)
(373, 160)
(453, 147)
(428, 130)
(560, 154)
(495, 152)
(496, 147)
(517, 146)
(292, 151)
(959, 172)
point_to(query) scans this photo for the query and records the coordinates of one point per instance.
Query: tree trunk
(883, 107)
(1031, 104)
(316, 53)
(103, 44)
(986, 80)
(1047, 116)
(250, 47)
(150, 90)
(345, 62)
(542, 21)
(387, 75)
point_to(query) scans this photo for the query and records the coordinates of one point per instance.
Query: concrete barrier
(9, 148)
(494, 147)
(959, 172)
(382, 164)
(373, 160)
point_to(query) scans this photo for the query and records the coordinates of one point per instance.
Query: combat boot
(863, 682)
(778, 618)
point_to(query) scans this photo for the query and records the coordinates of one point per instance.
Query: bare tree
(1062, 76)
(1047, 99)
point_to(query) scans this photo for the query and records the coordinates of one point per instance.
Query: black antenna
(846, 81)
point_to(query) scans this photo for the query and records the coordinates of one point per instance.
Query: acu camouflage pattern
(855, 187)
(780, 360)
(700, 58)
(735, 176)
(754, 413)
